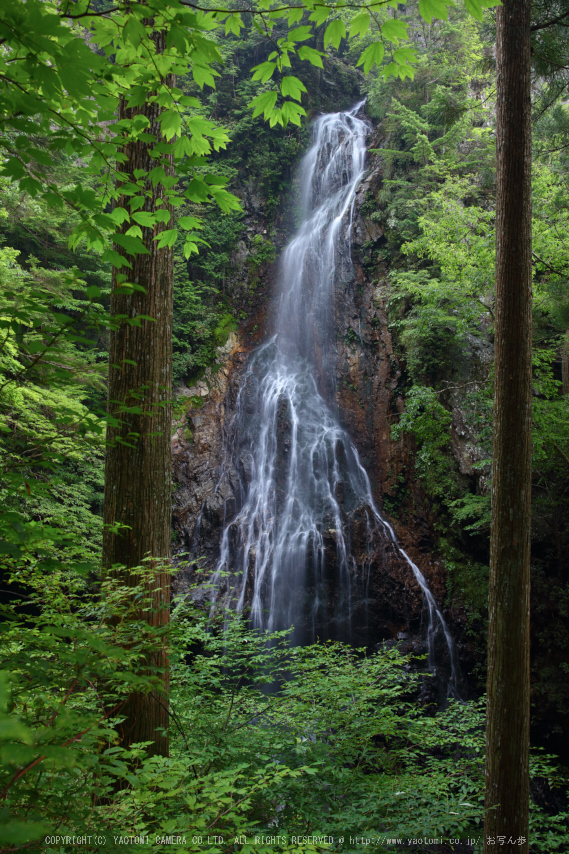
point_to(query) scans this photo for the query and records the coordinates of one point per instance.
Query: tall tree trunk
(507, 733)
(565, 364)
(138, 463)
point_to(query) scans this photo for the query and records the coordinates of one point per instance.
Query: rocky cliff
(368, 397)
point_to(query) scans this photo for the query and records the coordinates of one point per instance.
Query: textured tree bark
(138, 462)
(565, 365)
(507, 733)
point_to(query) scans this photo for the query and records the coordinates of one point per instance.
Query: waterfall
(295, 474)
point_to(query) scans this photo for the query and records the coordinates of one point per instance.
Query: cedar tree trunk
(138, 462)
(565, 364)
(507, 731)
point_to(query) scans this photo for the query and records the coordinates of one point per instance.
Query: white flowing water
(293, 469)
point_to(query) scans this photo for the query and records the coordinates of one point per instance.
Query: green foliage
(262, 252)
(437, 311)
(427, 420)
(550, 221)
(67, 666)
(254, 722)
(436, 127)
(193, 328)
(431, 325)
(202, 320)
(436, 207)
(51, 443)
(472, 509)
(63, 89)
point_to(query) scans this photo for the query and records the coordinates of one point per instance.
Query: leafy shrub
(254, 724)
(427, 420)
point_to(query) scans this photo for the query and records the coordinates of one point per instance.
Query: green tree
(507, 725)
(138, 480)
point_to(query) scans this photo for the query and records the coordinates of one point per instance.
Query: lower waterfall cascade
(297, 480)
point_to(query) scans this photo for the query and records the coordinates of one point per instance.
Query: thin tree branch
(63, 702)
(550, 23)
(78, 737)
(549, 61)
(91, 14)
(552, 150)
(561, 452)
(549, 267)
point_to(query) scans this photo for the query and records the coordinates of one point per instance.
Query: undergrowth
(270, 744)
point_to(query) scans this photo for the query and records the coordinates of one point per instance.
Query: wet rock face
(387, 604)
(367, 369)
(200, 502)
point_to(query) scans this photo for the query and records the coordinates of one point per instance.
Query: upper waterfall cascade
(295, 473)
